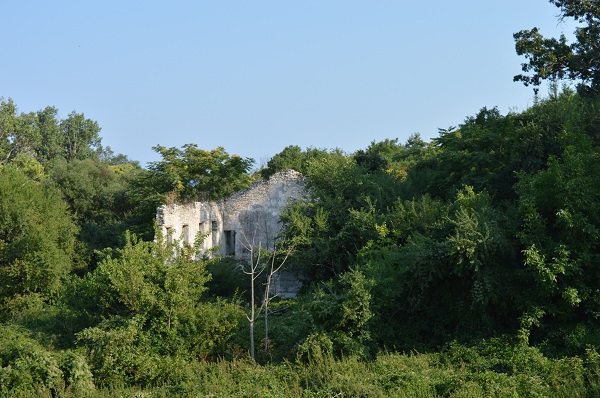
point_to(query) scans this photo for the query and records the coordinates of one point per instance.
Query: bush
(29, 369)
(227, 278)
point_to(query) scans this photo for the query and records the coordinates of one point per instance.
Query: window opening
(229, 243)
(215, 226)
(186, 233)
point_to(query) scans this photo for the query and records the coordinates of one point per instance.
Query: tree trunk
(251, 319)
(266, 325)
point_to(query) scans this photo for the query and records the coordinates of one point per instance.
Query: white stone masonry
(247, 217)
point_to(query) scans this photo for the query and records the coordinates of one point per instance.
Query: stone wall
(253, 214)
(247, 219)
(185, 222)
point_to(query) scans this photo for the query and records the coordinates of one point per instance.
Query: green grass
(454, 372)
(493, 368)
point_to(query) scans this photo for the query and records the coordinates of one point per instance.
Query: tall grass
(492, 370)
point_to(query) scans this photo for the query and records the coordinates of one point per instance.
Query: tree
(474, 154)
(341, 313)
(555, 59)
(42, 136)
(187, 174)
(152, 298)
(18, 134)
(442, 269)
(337, 221)
(292, 157)
(51, 139)
(266, 255)
(37, 239)
(96, 192)
(560, 230)
(80, 136)
(488, 149)
(194, 174)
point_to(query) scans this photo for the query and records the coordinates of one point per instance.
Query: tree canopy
(556, 59)
(479, 248)
(37, 241)
(193, 174)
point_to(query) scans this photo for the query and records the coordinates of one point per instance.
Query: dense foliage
(489, 229)
(464, 266)
(555, 58)
(37, 241)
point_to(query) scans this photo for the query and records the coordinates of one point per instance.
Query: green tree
(80, 136)
(42, 136)
(96, 192)
(442, 270)
(194, 174)
(561, 227)
(474, 155)
(151, 294)
(340, 313)
(556, 59)
(51, 140)
(291, 157)
(346, 202)
(18, 134)
(488, 149)
(294, 158)
(37, 239)
(187, 174)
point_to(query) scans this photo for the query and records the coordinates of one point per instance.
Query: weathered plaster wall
(254, 213)
(185, 222)
(248, 217)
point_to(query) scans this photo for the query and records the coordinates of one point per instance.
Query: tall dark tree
(37, 239)
(51, 141)
(556, 59)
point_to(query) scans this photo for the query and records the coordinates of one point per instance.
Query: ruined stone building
(248, 218)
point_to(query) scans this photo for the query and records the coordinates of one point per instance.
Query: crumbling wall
(185, 222)
(254, 213)
(248, 217)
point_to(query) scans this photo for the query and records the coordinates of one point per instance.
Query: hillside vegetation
(466, 266)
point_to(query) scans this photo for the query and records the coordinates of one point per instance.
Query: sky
(257, 76)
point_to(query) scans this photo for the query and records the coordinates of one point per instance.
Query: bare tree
(264, 257)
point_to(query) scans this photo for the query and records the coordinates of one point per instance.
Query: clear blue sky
(256, 76)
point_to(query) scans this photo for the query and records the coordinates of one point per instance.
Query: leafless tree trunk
(252, 243)
(254, 272)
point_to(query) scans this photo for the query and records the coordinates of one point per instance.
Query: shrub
(29, 369)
